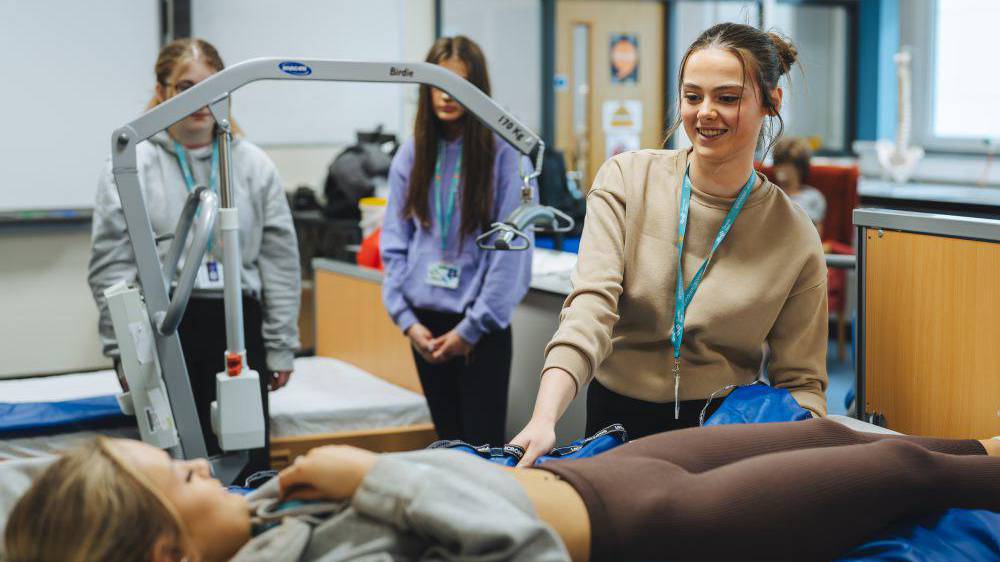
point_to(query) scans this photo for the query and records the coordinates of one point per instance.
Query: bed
(327, 401)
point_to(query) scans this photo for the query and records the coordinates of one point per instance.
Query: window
(966, 85)
(818, 103)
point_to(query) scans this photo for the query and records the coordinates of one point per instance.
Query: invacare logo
(295, 68)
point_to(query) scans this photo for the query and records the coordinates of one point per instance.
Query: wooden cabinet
(930, 354)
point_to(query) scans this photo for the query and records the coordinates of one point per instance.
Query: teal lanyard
(683, 297)
(445, 214)
(213, 181)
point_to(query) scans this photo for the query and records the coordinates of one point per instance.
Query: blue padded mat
(26, 416)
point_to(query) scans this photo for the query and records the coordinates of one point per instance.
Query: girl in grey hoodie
(170, 166)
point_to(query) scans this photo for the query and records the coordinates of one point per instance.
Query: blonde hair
(89, 506)
(175, 57)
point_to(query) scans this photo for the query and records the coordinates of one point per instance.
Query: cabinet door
(932, 334)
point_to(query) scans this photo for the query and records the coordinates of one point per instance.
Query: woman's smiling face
(720, 106)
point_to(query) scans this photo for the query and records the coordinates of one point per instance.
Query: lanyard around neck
(213, 182)
(445, 215)
(683, 297)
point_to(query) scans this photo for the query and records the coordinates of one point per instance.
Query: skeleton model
(898, 159)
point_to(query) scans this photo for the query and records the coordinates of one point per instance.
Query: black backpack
(356, 171)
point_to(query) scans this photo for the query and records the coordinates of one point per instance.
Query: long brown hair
(174, 58)
(477, 144)
(87, 506)
(763, 56)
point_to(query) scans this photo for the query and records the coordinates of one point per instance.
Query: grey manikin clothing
(425, 505)
(267, 237)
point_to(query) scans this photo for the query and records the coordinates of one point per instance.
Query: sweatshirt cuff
(811, 401)
(406, 319)
(571, 360)
(388, 489)
(468, 331)
(280, 360)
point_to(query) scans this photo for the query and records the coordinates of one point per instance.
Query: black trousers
(802, 491)
(467, 398)
(203, 339)
(640, 418)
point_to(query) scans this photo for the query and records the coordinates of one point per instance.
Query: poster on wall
(622, 122)
(624, 57)
(622, 116)
(616, 143)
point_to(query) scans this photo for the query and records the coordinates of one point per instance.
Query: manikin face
(200, 123)
(721, 111)
(446, 108)
(216, 520)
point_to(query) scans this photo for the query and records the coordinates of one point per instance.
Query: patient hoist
(146, 320)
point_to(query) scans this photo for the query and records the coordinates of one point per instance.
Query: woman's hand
(420, 339)
(279, 379)
(449, 346)
(537, 438)
(333, 472)
(555, 392)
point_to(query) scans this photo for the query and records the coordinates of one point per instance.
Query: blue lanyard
(683, 297)
(445, 215)
(213, 181)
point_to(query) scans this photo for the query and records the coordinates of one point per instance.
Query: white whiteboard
(73, 72)
(283, 113)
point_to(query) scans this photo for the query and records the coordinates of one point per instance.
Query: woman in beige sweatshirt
(764, 283)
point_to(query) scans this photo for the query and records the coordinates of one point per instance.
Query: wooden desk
(352, 325)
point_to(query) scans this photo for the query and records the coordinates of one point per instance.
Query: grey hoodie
(267, 236)
(424, 505)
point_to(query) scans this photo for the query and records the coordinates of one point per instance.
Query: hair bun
(787, 53)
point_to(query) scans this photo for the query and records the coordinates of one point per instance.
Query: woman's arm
(394, 243)
(459, 514)
(280, 276)
(111, 258)
(798, 342)
(589, 314)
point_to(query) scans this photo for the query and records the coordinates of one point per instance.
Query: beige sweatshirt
(766, 283)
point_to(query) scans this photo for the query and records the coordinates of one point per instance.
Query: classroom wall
(49, 320)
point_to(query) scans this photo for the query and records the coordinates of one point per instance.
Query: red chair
(839, 185)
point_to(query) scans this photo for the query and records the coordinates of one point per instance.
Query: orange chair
(839, 185)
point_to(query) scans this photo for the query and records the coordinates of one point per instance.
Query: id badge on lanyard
(210, 274)
(445, 274)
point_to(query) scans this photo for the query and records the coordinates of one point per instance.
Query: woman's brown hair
(89, 506)
(477, 144)
(175, 56)
(763, 56)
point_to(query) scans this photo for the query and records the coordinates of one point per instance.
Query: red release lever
(234, 364)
